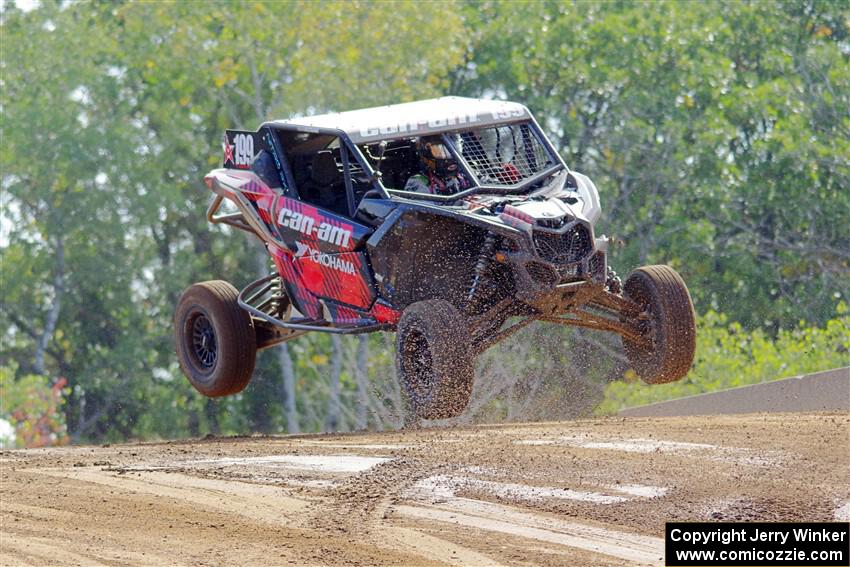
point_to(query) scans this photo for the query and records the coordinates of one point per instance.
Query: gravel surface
(586, 492)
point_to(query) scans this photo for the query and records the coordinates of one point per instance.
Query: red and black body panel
(327, 253)
(320, 256)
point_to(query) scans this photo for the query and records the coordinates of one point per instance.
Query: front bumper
(534, 275)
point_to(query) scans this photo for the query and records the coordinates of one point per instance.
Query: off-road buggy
(451, 274)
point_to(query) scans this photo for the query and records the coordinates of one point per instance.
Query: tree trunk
(53, 313)
(396, 415)
(193, 422)
(332, 421)
(288, 388)
(211, 411)
(361, 376)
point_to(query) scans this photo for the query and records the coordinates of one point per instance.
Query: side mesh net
(503, 155)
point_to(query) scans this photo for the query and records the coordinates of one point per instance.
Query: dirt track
(590, 492)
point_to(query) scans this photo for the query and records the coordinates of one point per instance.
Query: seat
(325, 172)
(328, 184)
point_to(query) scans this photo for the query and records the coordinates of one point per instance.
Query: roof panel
(419, 118)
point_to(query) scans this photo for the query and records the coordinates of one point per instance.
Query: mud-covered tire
(667, 321)
(214, 339)
(435, 365)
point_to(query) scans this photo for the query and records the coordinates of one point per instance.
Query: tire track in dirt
(255, 501)
(589, 492)
(359, 507)
(636, 549)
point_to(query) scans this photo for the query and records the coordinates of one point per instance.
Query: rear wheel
(215, 339)
(666, 321)
(434, 362)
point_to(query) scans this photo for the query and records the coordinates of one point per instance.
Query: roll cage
(361, 165)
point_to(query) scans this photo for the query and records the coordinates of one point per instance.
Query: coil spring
(613, 282)
(481, 265)
(277, 292)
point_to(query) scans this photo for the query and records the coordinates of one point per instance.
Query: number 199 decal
(244, 149)
(239, 149)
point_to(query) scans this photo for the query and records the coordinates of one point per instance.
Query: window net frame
(502, 156)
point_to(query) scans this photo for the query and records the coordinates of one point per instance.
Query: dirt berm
(588, 492)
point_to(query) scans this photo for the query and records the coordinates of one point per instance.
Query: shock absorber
(613, 282)
(484, 259)
(279, 300)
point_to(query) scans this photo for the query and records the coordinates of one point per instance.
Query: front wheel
(666, 321)
(435, 364)
(215, 339)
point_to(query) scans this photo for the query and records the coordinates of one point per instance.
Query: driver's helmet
(436, 157)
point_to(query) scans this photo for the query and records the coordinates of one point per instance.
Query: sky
(25, 5)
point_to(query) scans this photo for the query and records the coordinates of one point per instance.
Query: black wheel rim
(204, 344)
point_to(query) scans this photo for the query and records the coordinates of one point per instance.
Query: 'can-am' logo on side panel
(307, 225)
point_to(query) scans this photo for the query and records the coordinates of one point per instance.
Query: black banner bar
(762, 544)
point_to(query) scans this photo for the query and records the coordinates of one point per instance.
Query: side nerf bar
(258, 289)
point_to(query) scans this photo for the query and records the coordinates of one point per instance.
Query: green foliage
(728, 356)
(112, 114)
(717, 133)
(34, 407)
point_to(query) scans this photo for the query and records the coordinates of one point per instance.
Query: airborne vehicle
(452, 274)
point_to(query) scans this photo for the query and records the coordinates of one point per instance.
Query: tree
(716, 133)
(127, 103)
